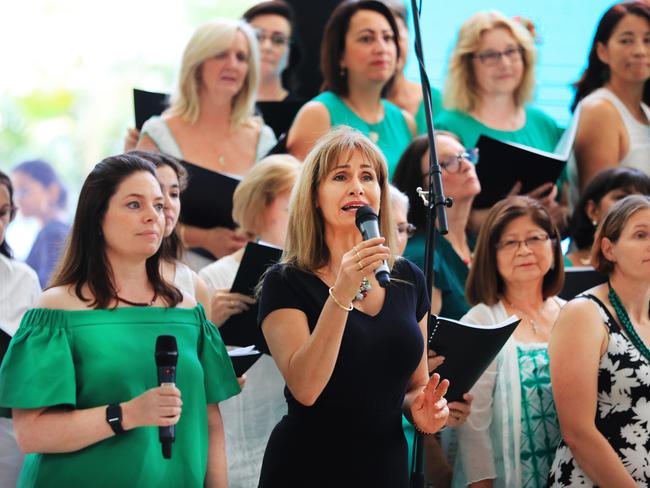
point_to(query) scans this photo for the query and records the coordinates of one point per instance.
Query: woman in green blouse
(86, 354)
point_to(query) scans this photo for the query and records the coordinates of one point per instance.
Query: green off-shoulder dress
(87, 358)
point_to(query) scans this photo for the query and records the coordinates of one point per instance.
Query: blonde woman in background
(211, 127)
(489, 85)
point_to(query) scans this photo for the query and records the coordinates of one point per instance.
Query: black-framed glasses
(277, 38)
(452, 163)
(533, 243)
(406, 227)
(492, 58)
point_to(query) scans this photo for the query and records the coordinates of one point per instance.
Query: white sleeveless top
(638, 153)
(184, 279)
(159, 131)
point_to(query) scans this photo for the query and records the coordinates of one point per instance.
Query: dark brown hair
(333, 44)
(612, 227)
(484, 283)
(84, 261)
(597, 73)
(172, 246)
(6, 182)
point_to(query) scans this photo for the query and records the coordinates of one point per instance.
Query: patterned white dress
(623, 410)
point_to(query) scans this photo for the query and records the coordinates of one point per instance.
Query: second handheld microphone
(368, 224)
(166, 359)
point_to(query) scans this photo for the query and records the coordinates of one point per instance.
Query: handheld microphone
(166, 359)
(368, 223)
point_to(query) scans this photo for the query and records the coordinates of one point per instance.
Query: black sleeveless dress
(623, 410)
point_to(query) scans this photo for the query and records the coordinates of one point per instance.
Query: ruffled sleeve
(38, 369)
(220, 380)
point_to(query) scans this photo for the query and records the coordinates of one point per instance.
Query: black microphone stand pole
(435, 202)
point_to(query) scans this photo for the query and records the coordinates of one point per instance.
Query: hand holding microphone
(368, 224)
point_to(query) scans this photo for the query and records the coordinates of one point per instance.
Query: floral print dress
(623, 410)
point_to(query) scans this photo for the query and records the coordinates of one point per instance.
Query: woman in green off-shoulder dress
(86, 354)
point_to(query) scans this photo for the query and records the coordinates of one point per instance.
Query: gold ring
(360, 267)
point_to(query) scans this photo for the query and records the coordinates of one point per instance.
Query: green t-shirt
(88, 358)
(540, 131)
(391, 134)
(449, 272)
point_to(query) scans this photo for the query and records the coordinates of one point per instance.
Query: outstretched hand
(429, 409)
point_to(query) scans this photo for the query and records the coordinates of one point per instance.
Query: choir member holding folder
(490, 80)
(79, 377)
(509, 438)
(211, 127)
(351, 352)
(20, 289)
(260, 207)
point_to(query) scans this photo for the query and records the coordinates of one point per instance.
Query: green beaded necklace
(625, 321)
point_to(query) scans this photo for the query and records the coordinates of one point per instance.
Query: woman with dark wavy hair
(359, 56)
(612, 97)
(79, 376)
(607, 188)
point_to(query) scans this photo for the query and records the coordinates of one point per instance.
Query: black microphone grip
(166, 359)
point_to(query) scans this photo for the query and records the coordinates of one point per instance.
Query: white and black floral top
(623, 413)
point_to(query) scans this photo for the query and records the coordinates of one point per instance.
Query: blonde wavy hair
(305, 246)
(461, 90)
(209, 40)
(269, 178)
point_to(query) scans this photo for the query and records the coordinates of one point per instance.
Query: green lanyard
(625, 321)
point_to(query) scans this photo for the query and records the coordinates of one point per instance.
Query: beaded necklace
(625, 321)
(364, 288)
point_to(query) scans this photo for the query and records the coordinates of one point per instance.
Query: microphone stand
(435, 201)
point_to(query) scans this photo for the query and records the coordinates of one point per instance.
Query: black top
(352, 435)
(207, 201)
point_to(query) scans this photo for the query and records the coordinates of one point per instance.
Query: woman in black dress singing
(352, 353)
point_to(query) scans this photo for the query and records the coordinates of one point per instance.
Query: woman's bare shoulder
(61, 298)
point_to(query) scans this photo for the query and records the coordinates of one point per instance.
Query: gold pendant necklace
(523, 316)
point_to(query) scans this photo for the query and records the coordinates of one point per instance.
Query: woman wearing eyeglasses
(510, 437)
(453, 252)
(490, 79)
(272, 21)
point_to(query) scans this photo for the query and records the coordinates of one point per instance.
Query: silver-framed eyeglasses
(452, 163)
(533, 243)
(492, 58)
(277, 38)
(406, 227)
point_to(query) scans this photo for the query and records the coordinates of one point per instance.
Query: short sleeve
(220, 380)
(277, 292)
(423, 302)
(158, 130)
(38, 369)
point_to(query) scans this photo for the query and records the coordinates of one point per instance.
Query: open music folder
(501, 164)
(241, 329)
(243, 358)
(468, 350)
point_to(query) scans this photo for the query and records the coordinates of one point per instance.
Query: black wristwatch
(114, 417)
